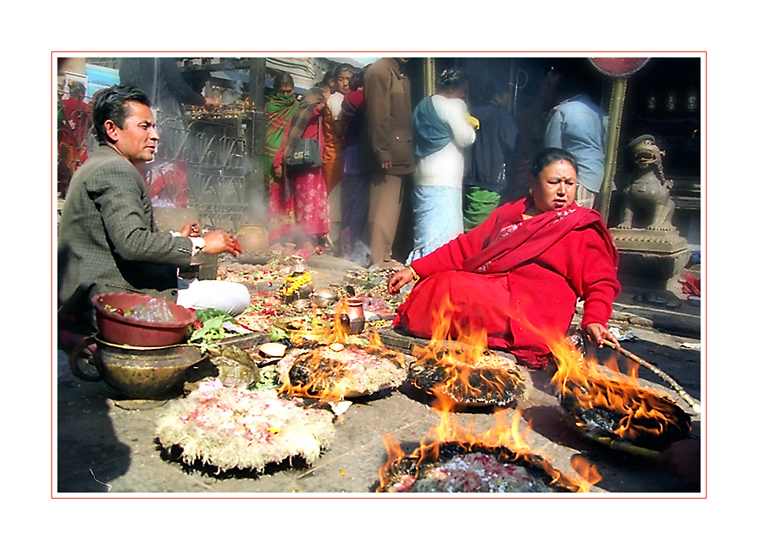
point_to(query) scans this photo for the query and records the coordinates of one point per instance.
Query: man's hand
(386, 165)
(190, 229)
(219, 241)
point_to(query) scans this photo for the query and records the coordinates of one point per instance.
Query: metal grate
(203, 164)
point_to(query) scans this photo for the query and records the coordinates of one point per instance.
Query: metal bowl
(138, 372)
(323, 297)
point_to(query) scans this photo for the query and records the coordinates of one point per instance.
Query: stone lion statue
(646, 200)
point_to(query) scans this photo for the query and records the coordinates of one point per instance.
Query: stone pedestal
(650, 259)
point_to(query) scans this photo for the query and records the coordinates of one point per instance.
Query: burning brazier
(651, 252)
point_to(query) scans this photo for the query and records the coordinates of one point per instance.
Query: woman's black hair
(111, 104)
(356, 81)
(452, 78)
(484, 89)
(548, 156)
(281, 79)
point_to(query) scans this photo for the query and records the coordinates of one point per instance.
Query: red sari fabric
(518, 279)
(281, 206)
(311, 202)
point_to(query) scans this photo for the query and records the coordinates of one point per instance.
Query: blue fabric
(438, 218)
(577, 125)
(430, 133)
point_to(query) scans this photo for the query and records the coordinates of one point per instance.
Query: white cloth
(226, 296)
(335, 104)
(444, 168)
(438, 218)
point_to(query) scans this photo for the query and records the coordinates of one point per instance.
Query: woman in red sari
(519, 274)
(308, 185)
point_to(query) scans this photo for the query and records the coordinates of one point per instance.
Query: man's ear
(111, 130)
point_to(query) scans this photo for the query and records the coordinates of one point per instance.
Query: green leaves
(208, 327)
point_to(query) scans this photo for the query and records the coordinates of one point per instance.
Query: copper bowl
(121, 329)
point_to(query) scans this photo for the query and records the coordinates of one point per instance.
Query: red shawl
(519, 278)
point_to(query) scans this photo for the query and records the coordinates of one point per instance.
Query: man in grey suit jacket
(108, 240)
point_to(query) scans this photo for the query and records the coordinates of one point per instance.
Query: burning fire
(505, 437)
(461, 359)
(341, 365)
(470, 373)
(613, 402)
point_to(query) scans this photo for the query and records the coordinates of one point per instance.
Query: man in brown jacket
(386, 151)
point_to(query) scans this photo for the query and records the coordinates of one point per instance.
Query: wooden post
(430, 75)
(256, 129)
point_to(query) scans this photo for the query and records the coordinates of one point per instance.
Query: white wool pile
(229, 427)
(351, 371)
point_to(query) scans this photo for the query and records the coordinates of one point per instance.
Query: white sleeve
(455, 114)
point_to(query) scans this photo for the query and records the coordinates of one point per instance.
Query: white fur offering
(337, 372)
(229, 427)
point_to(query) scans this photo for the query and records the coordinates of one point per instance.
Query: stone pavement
(106, 444)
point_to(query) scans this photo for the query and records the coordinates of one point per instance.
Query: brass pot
(138, 372)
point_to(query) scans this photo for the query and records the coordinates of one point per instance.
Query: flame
(581, 382)
(463, 359)
(460, 358)
(504, 435)
(587, 471)
(468, 348)
(330, 380)
(338, 333)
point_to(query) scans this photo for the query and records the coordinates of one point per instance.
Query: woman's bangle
(415, 275)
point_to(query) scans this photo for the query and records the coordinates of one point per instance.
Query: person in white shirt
(442, 128)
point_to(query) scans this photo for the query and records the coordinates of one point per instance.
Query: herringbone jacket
(109, 241)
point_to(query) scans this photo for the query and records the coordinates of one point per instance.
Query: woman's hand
(399, 280)
(278, 172)
(190, 229)
(219, 241)
(683, 460)
(597, 333)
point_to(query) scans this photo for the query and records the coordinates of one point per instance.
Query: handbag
(306, 153)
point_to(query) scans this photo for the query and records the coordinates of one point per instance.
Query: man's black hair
(111, 104)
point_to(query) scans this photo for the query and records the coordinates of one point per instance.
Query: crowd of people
(529, 258)
(338, 162)
(457, 155)
(357, 126)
